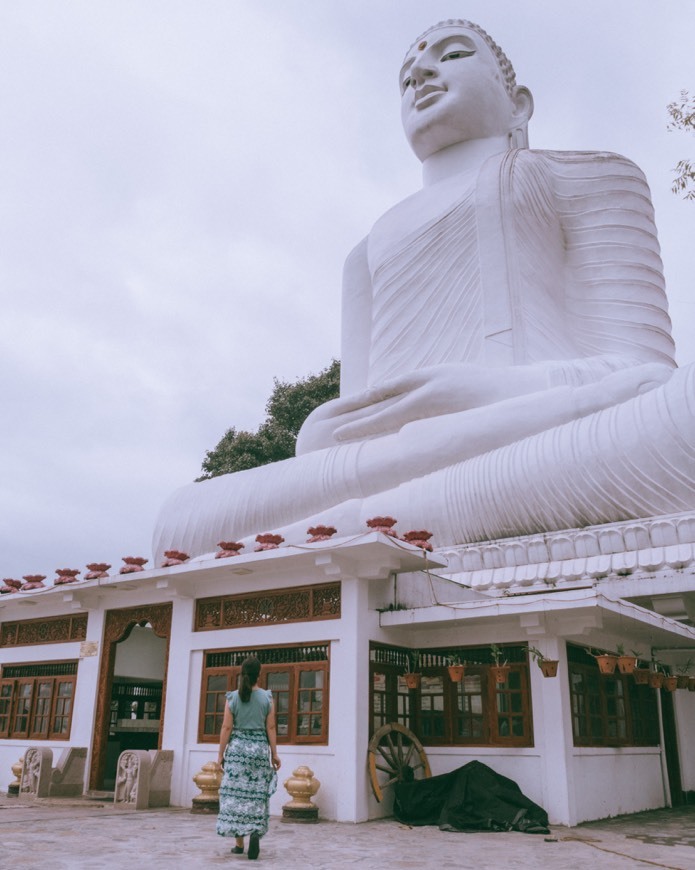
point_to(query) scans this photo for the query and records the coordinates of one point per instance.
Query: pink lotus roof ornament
(132, 564)
(268, 541)
(11, 585)
(320, 533)
(97, 570)
(33, 581)
(383, 525)
(174, 557)
(229, 548)
(419, 538)
(66, 575)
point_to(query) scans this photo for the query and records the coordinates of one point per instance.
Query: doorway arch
(117, 627)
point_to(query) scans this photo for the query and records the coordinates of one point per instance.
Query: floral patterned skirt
(247, 784)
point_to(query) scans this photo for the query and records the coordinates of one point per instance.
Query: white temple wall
(684, 703)
(612, 781)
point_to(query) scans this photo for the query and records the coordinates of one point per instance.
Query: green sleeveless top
(252, 714)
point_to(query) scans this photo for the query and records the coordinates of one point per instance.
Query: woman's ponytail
(250, 669)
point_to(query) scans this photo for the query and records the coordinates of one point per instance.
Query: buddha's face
(453, 91)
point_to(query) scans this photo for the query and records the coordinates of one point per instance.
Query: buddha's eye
(457, 53)
(407, 82)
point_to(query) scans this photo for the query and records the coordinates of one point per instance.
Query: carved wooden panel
(304, 604)
(118, 625)
(55, 629)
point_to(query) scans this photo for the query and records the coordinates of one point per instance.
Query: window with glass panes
(476, 711)
(36, 700)
(609, 709)
(297, 676)
(390, 696)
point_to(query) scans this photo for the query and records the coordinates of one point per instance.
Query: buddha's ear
(523, 105)
(523, 109)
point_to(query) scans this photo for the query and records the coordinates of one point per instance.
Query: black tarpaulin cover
(471, 798)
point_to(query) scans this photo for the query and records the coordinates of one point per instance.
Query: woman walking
(249, 760)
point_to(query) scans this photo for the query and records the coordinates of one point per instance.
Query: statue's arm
(318, 430)
(615, 297)
(356, 322)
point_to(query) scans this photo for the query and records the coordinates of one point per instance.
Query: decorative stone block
(143, 778)
(133, 779)
(160, 777)
(36, 772)
(67, 778)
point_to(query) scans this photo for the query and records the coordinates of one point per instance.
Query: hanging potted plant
(641, 675)
(626, 663)
(547, 666)
(656, 678)
(412, 675)
(499, 671)
(683, 677)
(456, 668)
(670, 682)
(607, 662)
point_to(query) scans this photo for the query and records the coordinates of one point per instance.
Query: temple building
(143, 660)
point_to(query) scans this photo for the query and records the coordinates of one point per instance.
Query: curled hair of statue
(503, 61)
(250, 669)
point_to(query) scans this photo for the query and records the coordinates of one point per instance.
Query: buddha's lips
(426, 94)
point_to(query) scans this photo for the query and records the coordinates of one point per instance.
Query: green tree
(682, 113)
(287, 408)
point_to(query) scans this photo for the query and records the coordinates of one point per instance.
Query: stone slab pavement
(62, 834)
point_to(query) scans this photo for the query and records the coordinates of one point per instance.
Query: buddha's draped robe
(544, 258)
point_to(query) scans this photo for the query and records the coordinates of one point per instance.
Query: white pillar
(552, 728)
(349, 702)
(87, 689)
(176, 712)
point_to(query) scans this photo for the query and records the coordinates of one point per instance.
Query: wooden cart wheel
(394, 751)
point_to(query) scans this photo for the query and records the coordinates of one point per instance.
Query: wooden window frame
(294, 668)
(639, 702)
(14, 697)
(434, 667)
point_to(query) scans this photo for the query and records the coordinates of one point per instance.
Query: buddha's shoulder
(578, 164)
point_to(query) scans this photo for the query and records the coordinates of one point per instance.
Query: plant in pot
(626, 663)
(456, 668)
(656, 677)
(607, 662)
(547, 666)
(682, 676)
(499, 671)
(641, 675)
(670, 682)
(412, 675)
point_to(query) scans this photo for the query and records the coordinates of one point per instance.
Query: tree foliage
(287, 408)
(682, 113)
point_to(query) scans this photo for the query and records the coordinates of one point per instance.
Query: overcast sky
(180, 182)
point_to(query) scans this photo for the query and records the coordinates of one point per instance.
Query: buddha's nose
(420, 71)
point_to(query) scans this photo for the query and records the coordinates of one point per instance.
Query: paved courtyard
(62, 835)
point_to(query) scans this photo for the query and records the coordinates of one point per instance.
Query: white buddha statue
(507, 365)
